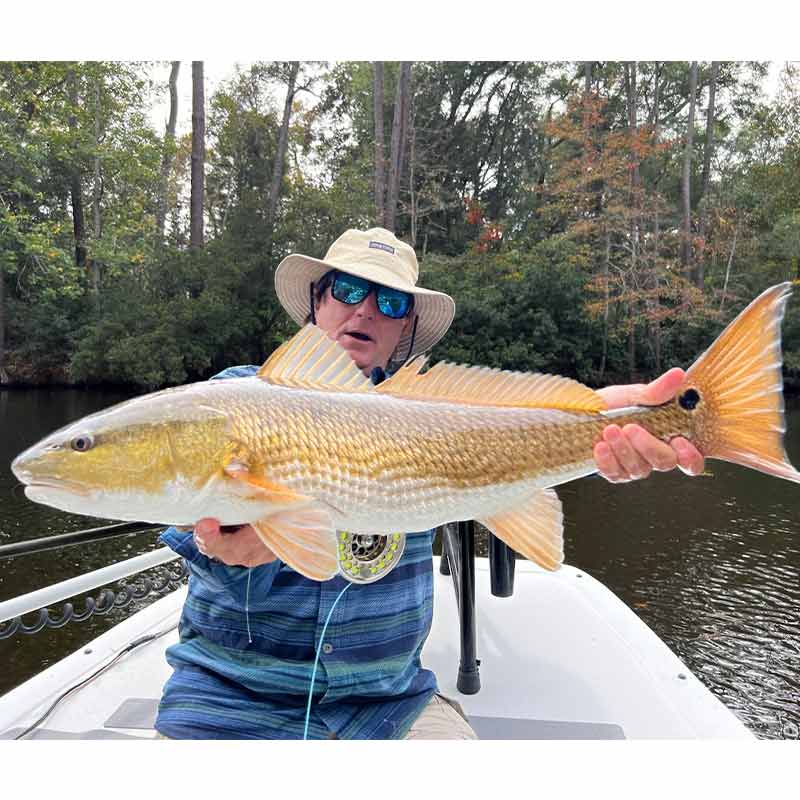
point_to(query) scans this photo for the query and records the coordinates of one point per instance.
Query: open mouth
(358, 336)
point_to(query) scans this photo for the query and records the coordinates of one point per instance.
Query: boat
(529, 654)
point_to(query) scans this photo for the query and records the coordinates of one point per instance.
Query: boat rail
(41, 598)
(458, 560)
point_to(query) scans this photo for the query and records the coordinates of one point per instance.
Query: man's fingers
(690, 459)
(658, 391)
(607, 464)
(659, 455)
(629, 459)
(662, 388)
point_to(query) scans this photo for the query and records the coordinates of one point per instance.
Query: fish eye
(82, 443)
(689, 399)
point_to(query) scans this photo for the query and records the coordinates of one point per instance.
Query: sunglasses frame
(371, 287)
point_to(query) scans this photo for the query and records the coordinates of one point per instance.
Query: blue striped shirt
(369, 683)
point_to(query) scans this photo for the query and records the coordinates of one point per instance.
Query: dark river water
(711, 564)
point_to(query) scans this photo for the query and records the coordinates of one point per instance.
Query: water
(712, 565)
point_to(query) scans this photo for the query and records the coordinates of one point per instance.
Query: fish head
(130, 461)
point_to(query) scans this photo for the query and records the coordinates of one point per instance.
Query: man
(251, 625)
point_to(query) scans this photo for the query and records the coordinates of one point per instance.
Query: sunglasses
(352, 290)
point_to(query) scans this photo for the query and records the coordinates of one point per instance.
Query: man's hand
(628, 453)
(241, 548)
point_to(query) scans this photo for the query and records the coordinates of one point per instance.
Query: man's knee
(442, 718)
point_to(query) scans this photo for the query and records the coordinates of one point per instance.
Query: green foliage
(514, 185)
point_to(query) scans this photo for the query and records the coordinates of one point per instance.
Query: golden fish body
(309, 446)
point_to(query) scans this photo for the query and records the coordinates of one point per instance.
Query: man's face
(367, 335)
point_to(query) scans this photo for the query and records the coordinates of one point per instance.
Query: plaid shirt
(369, 682)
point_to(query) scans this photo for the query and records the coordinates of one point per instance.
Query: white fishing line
(316, 659)
(247, 605)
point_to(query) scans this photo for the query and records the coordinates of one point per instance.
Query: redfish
(309, 447)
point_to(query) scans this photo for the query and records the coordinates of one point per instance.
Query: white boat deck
(563, 658)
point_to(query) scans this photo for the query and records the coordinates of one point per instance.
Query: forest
(600, 220)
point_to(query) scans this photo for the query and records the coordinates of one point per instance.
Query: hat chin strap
(411, 344)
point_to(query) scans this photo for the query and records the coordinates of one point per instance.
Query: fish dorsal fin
(456, 383)
(310, 360)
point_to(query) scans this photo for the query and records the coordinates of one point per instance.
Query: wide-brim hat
(378, 256)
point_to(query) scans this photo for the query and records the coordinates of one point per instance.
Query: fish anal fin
(535, 529)
(304, 538)
(456, 383)
(310, 360)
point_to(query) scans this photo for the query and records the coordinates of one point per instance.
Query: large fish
(310, 446)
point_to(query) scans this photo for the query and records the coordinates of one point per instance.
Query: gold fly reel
(368, 557)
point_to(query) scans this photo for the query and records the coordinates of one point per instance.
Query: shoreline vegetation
(597, 220)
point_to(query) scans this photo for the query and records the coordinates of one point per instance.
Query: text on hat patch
(381, 246)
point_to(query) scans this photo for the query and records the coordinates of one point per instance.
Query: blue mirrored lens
(350, 289)
(392, 302)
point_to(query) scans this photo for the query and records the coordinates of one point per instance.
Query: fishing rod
(75, 537)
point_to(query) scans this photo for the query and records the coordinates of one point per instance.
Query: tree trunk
(630, 83)
(198, 156)
(606, 263)
(279, 164)
(728, 268)
(3, 373)
(78, 217)
(380, 166)
(166, 158)
(587, 76)
(411, 170)
(398, 144)
(97, 192)
(655, 326)
(708, 150)
(686, 234)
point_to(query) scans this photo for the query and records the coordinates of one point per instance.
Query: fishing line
(247, 605)
(316, 660)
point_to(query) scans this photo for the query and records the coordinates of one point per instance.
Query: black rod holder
(501, 567)
(444, 562)
(461, 557)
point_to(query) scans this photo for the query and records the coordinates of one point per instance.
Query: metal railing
(41, 598)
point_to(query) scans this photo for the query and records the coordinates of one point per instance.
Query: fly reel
(368, 557)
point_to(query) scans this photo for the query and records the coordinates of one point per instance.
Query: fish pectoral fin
(535, 529)
(310, 360)
(304, 538)
(275, 493)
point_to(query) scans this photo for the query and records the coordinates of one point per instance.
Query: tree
(686, 192)
(399, 133)
(169, 149)
(380, 166)
(708, 149)
(76, 193)
(280, 153)
(198, 155)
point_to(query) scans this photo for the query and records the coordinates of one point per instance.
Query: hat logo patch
(381, 246)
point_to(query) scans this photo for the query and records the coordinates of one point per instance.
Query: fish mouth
(59, 485)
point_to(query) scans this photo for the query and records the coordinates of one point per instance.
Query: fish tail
(737, 387)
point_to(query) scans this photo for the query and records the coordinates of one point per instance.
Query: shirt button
(327, 648)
